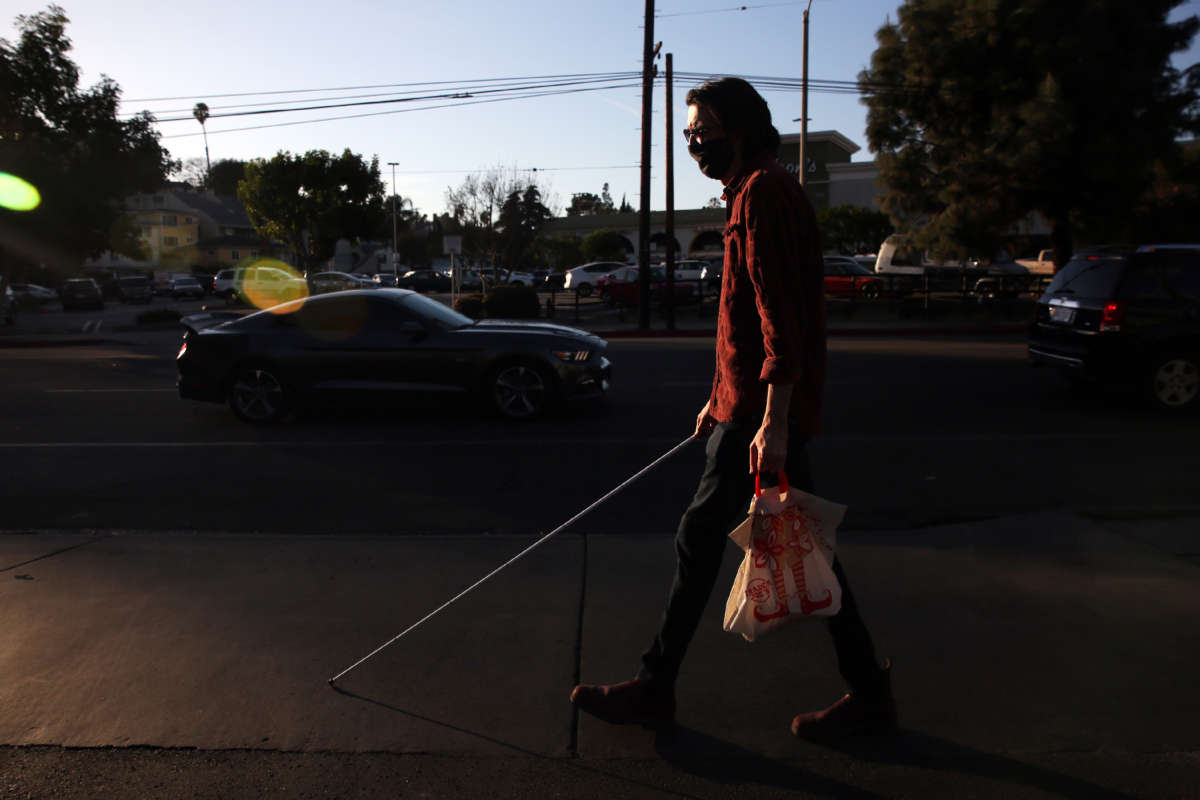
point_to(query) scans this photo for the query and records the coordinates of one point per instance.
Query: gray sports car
(382, 342)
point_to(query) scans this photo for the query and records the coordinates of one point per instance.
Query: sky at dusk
(166, 59)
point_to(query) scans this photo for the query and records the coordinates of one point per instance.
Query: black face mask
(714, 157)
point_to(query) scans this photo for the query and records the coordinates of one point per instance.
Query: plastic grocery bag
(787, 572)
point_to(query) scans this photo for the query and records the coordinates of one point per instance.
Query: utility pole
(670, 220)
(395, 249)
(649, 51)
(804, 101)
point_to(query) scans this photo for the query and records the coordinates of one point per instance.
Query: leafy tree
(983, 112)
(70, 144)
(605, 245)
(310, 201)
(853, 229)
(475, 206)
(715, 202)
(559, 252)
(225, 175)
(522, 218)
(191, 171)
(585, 204)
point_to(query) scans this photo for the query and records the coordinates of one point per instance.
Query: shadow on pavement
(750, 769)
(723, 762)
(909, 748)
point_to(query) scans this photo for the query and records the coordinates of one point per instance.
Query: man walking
(764, 406)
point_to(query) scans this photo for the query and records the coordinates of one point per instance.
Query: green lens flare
(17, 194)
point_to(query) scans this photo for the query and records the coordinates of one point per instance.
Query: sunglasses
(697, 134)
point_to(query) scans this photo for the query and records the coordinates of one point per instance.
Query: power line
(406, 110)
(724, 10)
(443, 96)
(480, 81)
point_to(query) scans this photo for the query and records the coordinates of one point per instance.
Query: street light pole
(395, 251)
(804, 100)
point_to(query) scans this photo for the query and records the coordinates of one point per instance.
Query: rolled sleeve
(773, 265)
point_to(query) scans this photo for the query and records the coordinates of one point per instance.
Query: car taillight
(1113, 316)
(182, 350)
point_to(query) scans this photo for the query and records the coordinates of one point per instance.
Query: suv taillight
(1113, 316)
(182, 350)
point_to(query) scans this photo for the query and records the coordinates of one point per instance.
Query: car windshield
(854, 268)
(1088, 276)
(435, 311)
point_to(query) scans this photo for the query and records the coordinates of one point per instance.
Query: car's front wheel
(870, 291)
(520, 390)
(584, 290)
(257, 394)
(1173, 381)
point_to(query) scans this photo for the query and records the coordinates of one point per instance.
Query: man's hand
(704, 423)
(768, 451)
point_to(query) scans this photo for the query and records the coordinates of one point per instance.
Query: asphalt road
(918, 431)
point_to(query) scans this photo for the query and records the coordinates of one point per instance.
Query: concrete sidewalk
(1036, 656)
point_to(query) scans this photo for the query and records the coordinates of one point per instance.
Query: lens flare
(17, 194)
(272, 285)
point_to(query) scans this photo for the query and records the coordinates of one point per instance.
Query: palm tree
(200, 112)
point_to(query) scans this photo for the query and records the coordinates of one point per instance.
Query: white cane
(511, 561)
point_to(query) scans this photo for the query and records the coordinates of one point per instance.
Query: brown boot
(633, 701)
(854, 715)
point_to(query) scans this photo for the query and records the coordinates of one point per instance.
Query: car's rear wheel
(257, 394)
(1173, 381)
(520, 390)
(870, 291)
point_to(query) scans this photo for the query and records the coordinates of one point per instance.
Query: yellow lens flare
(17, 194)
(272, 285)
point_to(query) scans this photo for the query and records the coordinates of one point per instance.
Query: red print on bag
(785, 541)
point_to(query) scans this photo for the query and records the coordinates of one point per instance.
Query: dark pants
(721, 503)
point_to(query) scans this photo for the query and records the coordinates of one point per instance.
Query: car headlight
(572, 355)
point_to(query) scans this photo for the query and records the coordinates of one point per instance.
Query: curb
(661, 333)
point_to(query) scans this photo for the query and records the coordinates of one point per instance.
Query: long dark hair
(740, 109)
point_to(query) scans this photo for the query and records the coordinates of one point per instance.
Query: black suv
(1126, 315)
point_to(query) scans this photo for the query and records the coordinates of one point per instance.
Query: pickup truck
(1042, 265)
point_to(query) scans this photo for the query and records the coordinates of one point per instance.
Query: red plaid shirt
(771, 327)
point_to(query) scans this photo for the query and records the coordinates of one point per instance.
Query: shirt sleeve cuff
(775, 370)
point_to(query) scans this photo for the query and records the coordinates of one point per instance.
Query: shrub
(512, 302)
(470, 305)
(154, 316)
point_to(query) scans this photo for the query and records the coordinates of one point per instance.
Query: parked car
(384, 342)
(711, 275)
(424, 280)
(388, 280)
(1129, 316)
(185, 287)
(80, 293)
(516, 278)
(583, 278)
(263, 286)
(621, 287)
(554, 280)
(688, 269)
(30, 295)
(845, 277)
(134, 289)
(331, 281)
(7, 304)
